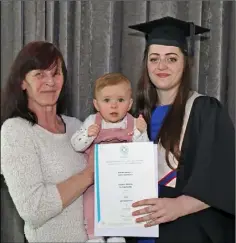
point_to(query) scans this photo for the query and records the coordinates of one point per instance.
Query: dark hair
(35, 55)
(147, 100)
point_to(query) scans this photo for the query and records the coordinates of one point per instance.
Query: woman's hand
(157, 211)
(76, 185)
(163, 210)
(89, 170)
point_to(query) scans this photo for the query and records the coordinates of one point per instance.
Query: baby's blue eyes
(107, 100)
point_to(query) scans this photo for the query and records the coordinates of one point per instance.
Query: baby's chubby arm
(83, 138)
(140, 130)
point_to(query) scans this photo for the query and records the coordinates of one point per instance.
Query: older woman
(196, 143)
(45, 176)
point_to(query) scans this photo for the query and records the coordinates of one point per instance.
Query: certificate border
(97, 182)
(134, 231)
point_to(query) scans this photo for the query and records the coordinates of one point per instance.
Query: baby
(112, 123)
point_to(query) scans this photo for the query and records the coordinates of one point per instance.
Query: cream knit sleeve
(36, 202)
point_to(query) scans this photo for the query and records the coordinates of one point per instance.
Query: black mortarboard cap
(171, 32)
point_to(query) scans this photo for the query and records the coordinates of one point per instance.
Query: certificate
(124, 173)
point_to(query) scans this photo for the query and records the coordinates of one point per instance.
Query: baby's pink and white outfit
(109, 133)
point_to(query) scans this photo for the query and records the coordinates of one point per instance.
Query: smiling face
(114, 101)
(165, 66)
(43, 87)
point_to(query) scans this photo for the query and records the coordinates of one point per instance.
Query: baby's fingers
(96, 126)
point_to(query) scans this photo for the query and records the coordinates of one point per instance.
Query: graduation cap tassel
(170, 31)
(192, 34)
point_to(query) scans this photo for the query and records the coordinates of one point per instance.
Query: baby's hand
(141, 124)
(93, 130)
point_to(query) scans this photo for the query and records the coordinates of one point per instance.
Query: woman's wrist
(88, 173)
(189, 205)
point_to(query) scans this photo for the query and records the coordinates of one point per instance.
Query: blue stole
(157, 118)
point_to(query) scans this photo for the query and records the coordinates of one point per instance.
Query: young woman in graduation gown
(196, 144)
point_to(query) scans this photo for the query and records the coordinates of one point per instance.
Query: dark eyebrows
(167, 54)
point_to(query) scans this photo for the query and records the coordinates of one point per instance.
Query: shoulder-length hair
(35, 55)
(147, 99)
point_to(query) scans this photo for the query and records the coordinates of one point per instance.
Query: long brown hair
(147, 99)
(35, 55)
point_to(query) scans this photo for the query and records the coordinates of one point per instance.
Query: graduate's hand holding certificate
(124, 173)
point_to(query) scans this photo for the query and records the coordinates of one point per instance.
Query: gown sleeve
(213, 175)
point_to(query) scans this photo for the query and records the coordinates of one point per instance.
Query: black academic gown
(206, 171)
